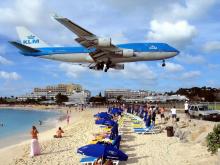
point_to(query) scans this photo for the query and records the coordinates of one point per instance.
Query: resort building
(50, 92)
(125, 94)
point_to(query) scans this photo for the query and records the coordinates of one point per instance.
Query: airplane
(95, 52)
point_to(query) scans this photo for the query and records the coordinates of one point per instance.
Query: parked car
(202, 112)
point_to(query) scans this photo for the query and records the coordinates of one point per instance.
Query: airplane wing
(103, 49)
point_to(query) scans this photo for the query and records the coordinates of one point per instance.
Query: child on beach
(35, 146)
(59, 133)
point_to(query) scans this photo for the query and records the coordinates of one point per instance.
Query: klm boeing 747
(95, 52)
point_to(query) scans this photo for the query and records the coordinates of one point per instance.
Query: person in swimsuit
(59, 133)
(35, 146)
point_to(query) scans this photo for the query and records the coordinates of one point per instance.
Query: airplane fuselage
(142, 51)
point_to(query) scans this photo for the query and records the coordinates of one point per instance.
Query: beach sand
(155, 149)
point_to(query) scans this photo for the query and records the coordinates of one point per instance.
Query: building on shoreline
(140, 96)
(50, 92)
(125, 94)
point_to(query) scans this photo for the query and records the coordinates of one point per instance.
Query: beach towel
(35, 147)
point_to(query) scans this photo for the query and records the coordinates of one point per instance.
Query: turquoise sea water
(17, 124)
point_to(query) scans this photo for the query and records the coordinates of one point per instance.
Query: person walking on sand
(173, 113)
(68, 119)
(35, 146)
(162, 116)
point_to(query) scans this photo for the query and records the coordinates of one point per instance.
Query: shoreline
(13, 154)
(50, 123)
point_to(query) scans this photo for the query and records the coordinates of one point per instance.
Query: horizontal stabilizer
(23, 48)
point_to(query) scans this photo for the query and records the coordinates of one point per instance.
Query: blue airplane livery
(95, 52)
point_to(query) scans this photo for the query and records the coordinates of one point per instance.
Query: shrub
(213, 139)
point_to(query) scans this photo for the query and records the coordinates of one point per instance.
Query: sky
(191, 26)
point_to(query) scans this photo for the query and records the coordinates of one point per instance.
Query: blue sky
(192, 26)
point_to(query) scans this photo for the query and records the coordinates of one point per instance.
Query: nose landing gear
(163, 63)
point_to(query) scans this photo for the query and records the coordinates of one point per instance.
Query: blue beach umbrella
(116, 111)
(105, 122)
(104, 115)
(106, 151)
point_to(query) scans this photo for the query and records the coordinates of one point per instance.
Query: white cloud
(189, 9)
(133, 71)
(136, 71)
(212, 46)
(190, 59)
(9, 75)
(22, 11)
(4, 61)
(172, 67)
(72, 70)
(213, 66)
(190, 75)
(178, 33)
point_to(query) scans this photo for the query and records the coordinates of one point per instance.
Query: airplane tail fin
(29, 39)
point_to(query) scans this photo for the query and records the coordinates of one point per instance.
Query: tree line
(199, 94)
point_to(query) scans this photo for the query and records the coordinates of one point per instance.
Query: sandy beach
(157, 149)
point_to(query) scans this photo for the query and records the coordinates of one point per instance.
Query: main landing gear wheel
(107, 66)
(106, 69)
(163, 64)
(101, 66)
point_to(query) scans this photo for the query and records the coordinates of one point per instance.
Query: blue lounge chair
(149, 130)
(89, 160)
(145, 128)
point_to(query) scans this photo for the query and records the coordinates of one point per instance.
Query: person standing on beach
(35, 146)
(153, 116)
(173, 113)
(186, 108)
(162, 116)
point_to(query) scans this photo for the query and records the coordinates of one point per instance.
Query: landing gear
(107, 66)
(163, 63)
(100, 66)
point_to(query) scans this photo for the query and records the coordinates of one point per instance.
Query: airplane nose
(176, 52)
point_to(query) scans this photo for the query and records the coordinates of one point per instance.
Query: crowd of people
(149, 112)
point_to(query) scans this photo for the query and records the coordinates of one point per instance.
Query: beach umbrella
(105, 151)
(105, 122)
(103, 115)
(116, 111)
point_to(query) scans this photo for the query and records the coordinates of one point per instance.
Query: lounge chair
(148, 130)
(88, 160)
(91, 160)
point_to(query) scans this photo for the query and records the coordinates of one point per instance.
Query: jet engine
(118, 66)
(103, 42)
(126, 52)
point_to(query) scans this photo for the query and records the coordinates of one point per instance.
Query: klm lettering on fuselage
(31, 40)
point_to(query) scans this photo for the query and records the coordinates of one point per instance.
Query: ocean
(15, 125)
